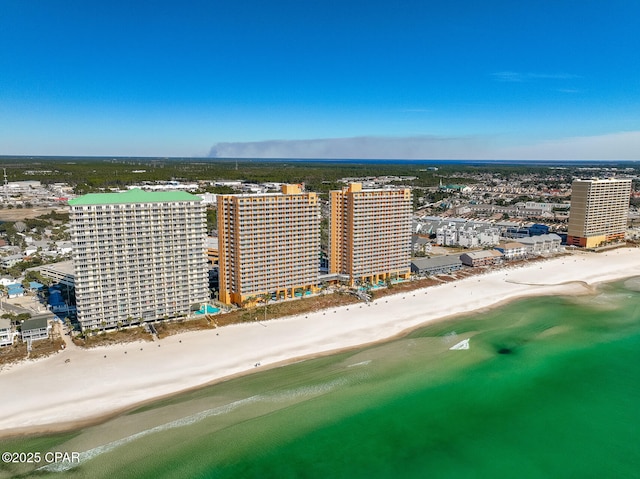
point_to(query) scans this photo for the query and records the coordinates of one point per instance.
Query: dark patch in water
(505, 351)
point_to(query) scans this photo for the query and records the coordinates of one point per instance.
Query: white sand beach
(53, 393)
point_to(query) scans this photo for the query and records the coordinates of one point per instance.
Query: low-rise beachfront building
(542, 244)
(512, 251)
(6, 332)
(436, 265)
(481, 258)
(370, 233)
(269, 245)
(34, 329)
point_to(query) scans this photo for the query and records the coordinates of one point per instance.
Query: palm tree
(388, 281)
(266, 297)
(247, 301)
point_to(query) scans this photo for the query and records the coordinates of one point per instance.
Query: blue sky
(334, 78)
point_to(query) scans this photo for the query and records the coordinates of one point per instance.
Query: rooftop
(63, 267)
(135, 195)
(511, 245)
(483, 254)
(541, 238)
(35, 323)
(601, 180)
(437, 261)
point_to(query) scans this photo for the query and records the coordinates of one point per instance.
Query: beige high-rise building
(599, 211)
(268, 244)
(370, 237)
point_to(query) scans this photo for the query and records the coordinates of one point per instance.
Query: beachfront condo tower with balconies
(599, 211)
(138, 256)
(269, 245)
(370, 234)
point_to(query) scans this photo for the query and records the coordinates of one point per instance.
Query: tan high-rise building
(268, 244)
(370, 237)
(599, 210)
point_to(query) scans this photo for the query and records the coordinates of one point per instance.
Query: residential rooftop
(483, 254)
(437, 261)
(35, 323)
(135, 195)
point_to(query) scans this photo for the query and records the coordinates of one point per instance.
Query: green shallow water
(550, 387)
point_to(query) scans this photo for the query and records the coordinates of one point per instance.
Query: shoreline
(73, 425)
(49, 396)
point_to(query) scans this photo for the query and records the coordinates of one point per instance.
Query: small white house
(34, 329)
(15, 290)
(64, 248)
(6, 333)
(11, 260)
(513, 250)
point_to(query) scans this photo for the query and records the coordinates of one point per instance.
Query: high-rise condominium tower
(370, 238)
(137, 256)
(269, 244)
(599, 210)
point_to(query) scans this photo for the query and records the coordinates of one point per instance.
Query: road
(15, 309)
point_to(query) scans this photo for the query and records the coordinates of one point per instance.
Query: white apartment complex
(468, 235)
(137, 256)
(370, 237)
(268, 244)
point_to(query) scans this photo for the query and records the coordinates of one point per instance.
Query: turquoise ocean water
(550, 388)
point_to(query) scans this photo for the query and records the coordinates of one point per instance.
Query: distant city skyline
(334, 79)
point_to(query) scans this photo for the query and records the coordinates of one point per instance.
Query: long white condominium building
(599, 211)
(137, 256)
(370, 238)
(269, 244)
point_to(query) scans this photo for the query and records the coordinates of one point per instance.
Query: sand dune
(53, 394)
